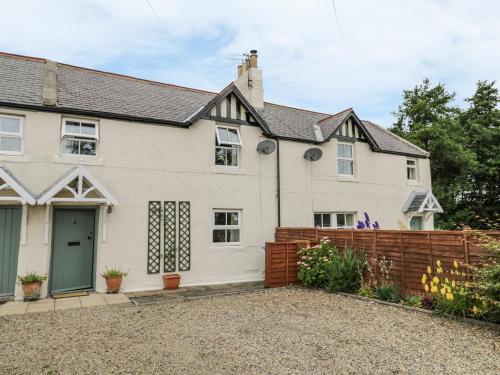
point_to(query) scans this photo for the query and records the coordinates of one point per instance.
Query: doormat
(70, 294)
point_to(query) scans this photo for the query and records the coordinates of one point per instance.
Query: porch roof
(423, 201)
(8, 181)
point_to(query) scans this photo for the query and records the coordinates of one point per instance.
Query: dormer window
(79, 137)
(345, 157)
(411, 170)
(227, 146)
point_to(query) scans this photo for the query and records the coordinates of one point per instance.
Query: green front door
(10, 229)
(73, 250)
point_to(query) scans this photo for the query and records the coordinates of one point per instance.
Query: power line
(336, 17)
(172, 41)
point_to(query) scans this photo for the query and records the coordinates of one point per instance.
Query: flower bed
(464, 291)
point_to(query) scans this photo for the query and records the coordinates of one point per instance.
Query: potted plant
(32, 285)
(171, 281)
(114, 278)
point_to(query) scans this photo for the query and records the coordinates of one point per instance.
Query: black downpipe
(278, 190)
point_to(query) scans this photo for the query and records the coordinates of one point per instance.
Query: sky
(309, 60)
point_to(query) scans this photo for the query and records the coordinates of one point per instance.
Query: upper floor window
(79, 137)
(345, 155)
(11, 134)
(226, 226)
(227, 146)
(336, 220)
(411, 169)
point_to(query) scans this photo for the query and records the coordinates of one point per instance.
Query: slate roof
(113, 95)
(416, 201)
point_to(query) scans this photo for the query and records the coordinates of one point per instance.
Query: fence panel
(410, 251)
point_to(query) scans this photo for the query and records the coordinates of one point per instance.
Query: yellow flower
(435, 280)
(452, 272)
(434, 289)
(453, 283)
(438, 263)
(443, 291)
(424, 278)
(429, 270)
(439, 270)
(449, 296)
(426, 287)
(455, 264)
(431, 283)
(446, 280)
(475, 310)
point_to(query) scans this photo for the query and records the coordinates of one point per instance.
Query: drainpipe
(278, 190)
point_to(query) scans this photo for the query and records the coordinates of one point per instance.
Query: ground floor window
(336, 220)
(416, 223)
(226, 226)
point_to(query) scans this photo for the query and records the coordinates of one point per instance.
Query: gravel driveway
(273, 331)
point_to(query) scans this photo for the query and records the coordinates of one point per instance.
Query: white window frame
(19, 135)
(226, 227)
(333, 219)
(79, 137)
(353, 159)
(414, 167)
(228, 146)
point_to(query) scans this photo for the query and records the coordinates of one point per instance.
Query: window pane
(317, 220)
(219, 235)
(410, 162)
(69, 146)
(233, 235)
(327, 220)
(87, 148)
(232, 157)
(233, 136)
(340, 220)
(10, 144)
(10, 125)
(220, 156)
(220, 218)
(232, 218)
(88, 129)
(345, 167)
(349, 220)
(72, 127)
(228, 136)
(411, 173)
(345, 151)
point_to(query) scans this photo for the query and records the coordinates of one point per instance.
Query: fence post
(466, 255)
(352, 239)
(403, 279)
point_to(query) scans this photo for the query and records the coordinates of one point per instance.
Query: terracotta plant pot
(114, 284)
(32, 290)
(171, 281)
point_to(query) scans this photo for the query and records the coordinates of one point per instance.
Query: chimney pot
(240, 70)
(252, 61)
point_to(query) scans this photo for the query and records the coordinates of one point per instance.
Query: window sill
(85, 160)
(18, 158)
(226, 247)
(413, 183)
(348, 178)
(227, 170)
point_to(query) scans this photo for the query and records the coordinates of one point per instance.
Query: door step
(70, 294)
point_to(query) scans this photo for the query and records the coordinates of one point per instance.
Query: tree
(428, 119)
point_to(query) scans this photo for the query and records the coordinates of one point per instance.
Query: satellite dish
(266, 147)
(313, 154)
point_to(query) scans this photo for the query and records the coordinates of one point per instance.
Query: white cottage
(99, 169)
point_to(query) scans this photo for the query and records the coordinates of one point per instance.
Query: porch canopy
(77, 187)
(422, 204)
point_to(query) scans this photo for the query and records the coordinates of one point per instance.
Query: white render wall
(138, 163)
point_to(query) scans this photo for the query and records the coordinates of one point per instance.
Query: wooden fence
(410, 251)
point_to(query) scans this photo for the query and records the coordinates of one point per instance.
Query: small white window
(227, 226)
(79, 137)
(345, 155)
(336, 220)
(227, 146)
(411, 169)
(11, 135)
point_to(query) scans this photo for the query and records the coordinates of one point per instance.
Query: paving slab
(113, 299)
(40, 306)
(93, 300)
(67, 303)
(13, 307)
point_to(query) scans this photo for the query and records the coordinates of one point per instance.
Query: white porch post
(24, 222)
(105, 224)
(47, 222)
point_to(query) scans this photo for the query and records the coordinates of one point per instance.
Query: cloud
(383, 46)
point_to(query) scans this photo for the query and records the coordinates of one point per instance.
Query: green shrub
(113, 273)
(314, 262)
(387, 292)
(366, 291)
(345, 271)
(31, 277)
(413, 301)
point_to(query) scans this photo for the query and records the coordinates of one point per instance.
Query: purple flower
(376, 225)
(360, 225)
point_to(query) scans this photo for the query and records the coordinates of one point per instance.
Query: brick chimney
(249, 81)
